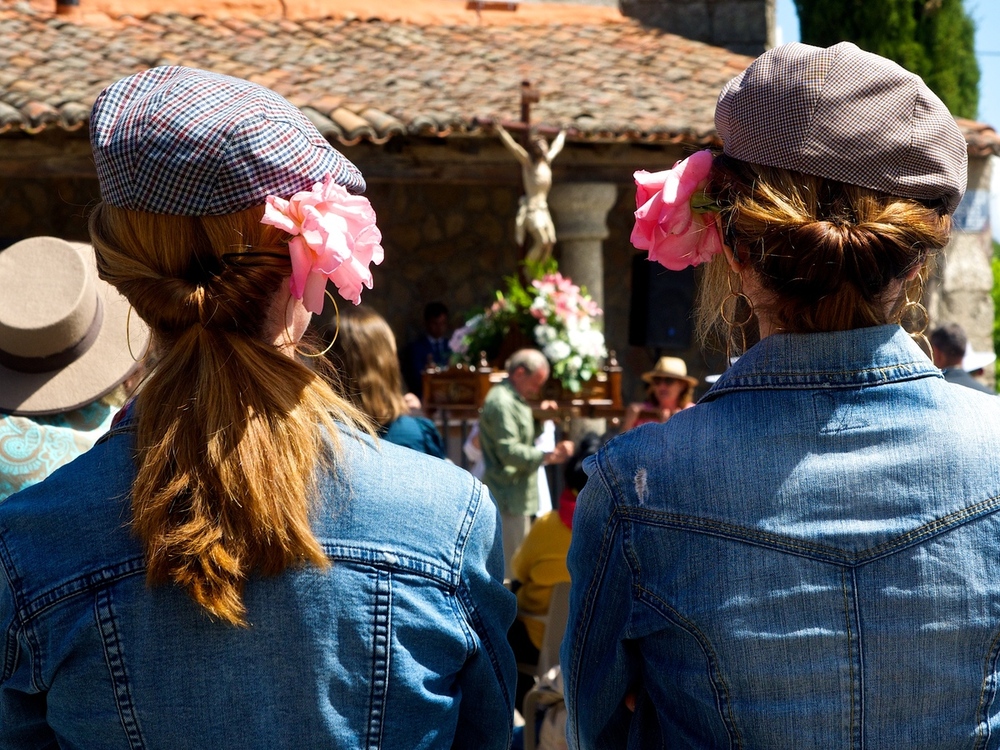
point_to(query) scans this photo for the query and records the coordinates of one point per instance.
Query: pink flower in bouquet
(335, 238)
(672, 220)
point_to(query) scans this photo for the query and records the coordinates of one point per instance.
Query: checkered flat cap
(175, 140)
(846, 115)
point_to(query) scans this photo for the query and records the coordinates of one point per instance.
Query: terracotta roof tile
(373, 80)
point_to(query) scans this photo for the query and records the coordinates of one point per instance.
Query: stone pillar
(580, 213)
(960, 290)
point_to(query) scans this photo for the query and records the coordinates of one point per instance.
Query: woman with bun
(239, 563)
(669, 389)
(811, 557)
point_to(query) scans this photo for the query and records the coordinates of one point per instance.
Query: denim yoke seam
(381, 654)
(812, 549)
(590, 595)
(987, 694)
(849, 562)
(105, 620)
(17, 622)
(720, 687)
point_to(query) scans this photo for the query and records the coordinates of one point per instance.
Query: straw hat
(62, 330)
(669, 367)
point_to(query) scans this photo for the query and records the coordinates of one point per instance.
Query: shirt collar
(841, 359)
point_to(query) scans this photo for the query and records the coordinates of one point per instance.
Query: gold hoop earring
(737, 300)
(128, 336)
(919, 319)
(336, 330)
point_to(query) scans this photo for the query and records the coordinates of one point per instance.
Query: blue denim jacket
(810, 557)
(401, 643)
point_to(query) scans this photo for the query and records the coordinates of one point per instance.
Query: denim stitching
(106, 625)
(475, 504)
(82, 585)
(860, 649)
(381, 648)
(126, 428)
(590, 595)
(850, 649)
(477, 624)
(468, 606)
(17, 623)
(989, 688)
(400, 561)
(723, 702)
(813, 549)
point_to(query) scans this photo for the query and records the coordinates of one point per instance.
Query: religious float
(549, 313)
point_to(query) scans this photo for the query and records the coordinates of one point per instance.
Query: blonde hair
(228, 427)
(365, 355)
(826, 253)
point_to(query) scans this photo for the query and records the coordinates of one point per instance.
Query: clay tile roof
(373, 79)
(982, 139)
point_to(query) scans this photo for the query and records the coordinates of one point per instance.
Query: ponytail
(228, 427)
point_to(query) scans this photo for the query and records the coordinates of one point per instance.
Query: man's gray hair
(530, 360)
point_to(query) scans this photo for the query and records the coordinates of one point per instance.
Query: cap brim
(105, 365)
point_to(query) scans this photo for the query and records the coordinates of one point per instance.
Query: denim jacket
(401, 643)
(810, 557)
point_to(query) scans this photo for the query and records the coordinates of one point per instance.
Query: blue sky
(986, 14)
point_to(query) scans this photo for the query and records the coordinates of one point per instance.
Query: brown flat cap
(846, 115)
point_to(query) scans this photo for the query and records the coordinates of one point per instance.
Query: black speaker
(661, 310)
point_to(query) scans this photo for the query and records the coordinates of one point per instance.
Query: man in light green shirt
(507, 433)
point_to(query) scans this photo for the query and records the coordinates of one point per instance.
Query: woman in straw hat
(63, 357)
(238, 563)
(811, 556)
(669, 389)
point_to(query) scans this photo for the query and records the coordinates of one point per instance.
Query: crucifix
(535, 157)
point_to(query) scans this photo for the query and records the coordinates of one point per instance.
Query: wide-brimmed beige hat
(669, 367)
(62, 330)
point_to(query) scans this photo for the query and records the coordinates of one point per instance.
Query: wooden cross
(529, 96)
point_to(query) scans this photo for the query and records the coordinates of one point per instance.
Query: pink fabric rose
(675, 233)
(335, 238)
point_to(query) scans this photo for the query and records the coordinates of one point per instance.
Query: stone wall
(744, 26)
(959, 290)
(56, 207)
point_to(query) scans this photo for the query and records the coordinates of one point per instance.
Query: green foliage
(933, 38)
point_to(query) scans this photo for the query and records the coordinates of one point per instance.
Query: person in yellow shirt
(540, 563)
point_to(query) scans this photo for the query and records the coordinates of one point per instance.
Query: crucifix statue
(533, 214)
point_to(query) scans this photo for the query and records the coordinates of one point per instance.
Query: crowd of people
(220, 531)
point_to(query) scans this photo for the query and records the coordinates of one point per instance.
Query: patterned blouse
(31, 448)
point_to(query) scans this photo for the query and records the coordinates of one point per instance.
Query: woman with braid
(240, 563)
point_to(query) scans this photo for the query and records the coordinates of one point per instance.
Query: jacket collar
(842, 359)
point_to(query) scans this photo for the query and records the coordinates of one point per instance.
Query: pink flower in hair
(674, 219)
(335, 238)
